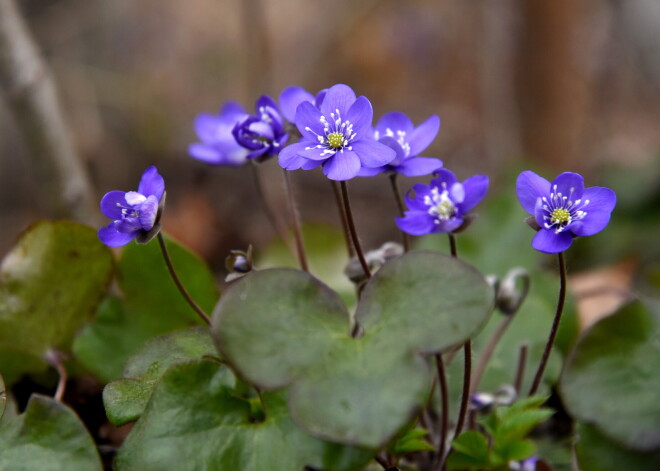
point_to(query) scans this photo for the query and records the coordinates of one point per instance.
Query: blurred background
(548, 86)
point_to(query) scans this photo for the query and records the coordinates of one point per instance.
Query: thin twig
(397, 196)
(452, 245)
(488, 352)
(275, 221)
(295, 222)
(170, 267)
(520, 370)
(467, 350)
(555, 325)
(56, 359)
(63, 185)
(353, 232)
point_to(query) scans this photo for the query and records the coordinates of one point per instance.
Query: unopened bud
(238, 263)
(375, 259)
(509, 296)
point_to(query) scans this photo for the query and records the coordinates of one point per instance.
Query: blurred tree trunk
(552, 87)
(27, 84)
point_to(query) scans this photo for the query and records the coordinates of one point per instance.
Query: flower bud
(375, 259)
(238, 263)
(509, 297)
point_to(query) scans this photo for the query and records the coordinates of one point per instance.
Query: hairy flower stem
(488, 352)
(170, 267)
(342, 217)
(467, 369)
(555, 325)
(353, 232)
(399, 202)
(520, 370)
(295, 222)
(56, 359)
(275, 221)
(444, 419)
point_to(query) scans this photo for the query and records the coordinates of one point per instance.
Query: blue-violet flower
(336, 134)
(218, 146)
(397, 131)
(564, 208)
(442, 205)
(134, 213)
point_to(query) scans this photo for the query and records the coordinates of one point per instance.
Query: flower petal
(548, 241)
(308, 121)
(112, 238)
(569, 184)
(418, 166)
(206, 126)
(394, 121)
(290, 98)
(448, 225)
(289, 159)
(112, 203)
(417, 203)
(444, 176)
(601, 203)
(232, 112)
(475, 188)
(530, 187)
(370, 172)
(373, 153)
(423, 135)
(342, 166)
(205, 153)
(314, 152)
(338, 97)
(148, 212)
(361, 114)
(417, 223)
(263, 101)
(152, 183)
(311, 164)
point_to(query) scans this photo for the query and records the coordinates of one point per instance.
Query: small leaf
(152, 306)
(612, 380)
(517, 424)
(125, 399)
(194, 421)
(48, 436)
(595, 452)
(50, 285)
(517, 450)
(472, 443)
(411, 442)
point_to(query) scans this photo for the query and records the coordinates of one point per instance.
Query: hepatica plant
(280, 373)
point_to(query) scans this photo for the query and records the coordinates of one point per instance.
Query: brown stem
(397, 196)
(170, 267)
(555, 325)
(353, 232)
(520, 370)
(56, 359)
(342, 217)
(467, 350)
(295, 221)
(444, 419)
(275, 221)
(488, 352)
(452, 245)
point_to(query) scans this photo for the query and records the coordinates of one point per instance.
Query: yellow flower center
(335, 139)
(445, 209)
(559, 216)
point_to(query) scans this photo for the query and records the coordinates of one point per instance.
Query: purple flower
(263, 132)
(218, 146)
(443, 205)
(564, 208)
(396, 131)
(134, 213)
(336, 134)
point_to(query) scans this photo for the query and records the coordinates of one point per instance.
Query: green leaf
(125, 399)
(516, 450)
(283, 327)
(50, 285)
(152, 306)
(48, 436)
(192, 407)
(470, 451)
(596, 452)
(411, 442)
(425, 301)
(612, 380)
(514, 425)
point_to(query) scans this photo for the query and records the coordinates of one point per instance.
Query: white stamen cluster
(441, 207)
(337, 134)
(400, 137)
(561, 210)
(264, 115)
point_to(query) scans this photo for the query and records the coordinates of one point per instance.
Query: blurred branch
(63, 185)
